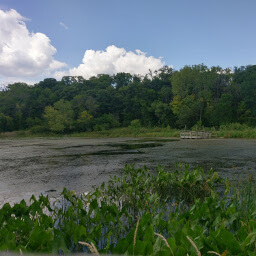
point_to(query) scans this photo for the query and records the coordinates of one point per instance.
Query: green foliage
(213, 96)
(27, 227)
(135, 124)
(163, 112)
(234, 126)
(131, 132)
(59, 117)
(245, 78)
(83, 120)
(236, 130)
(6, 123)
(139, 213)
(39, 129)
(224, 110)
(187, 111)
(104, 122)
(122, 79)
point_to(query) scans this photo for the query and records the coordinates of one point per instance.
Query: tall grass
(233, 130)
(131, 132)
(236, 130)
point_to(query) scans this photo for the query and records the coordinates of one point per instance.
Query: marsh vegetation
(175, 212)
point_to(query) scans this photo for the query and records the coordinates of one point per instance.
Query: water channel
(35, 166)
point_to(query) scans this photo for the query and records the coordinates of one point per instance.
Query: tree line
(189, 96)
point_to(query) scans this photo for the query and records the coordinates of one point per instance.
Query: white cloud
(27, 56)
(24, 54)
(111, 61)
(63, 25)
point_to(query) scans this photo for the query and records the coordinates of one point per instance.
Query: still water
(35, 166)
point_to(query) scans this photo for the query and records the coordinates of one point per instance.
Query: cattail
(194, 245)
(135, 235)
(91, 247)
(214, 253)
(243, 224)
(162, 237)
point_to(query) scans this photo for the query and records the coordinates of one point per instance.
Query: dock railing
(195, 135)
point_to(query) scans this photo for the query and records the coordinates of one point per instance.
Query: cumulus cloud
(24, 54)
(111, 61)
(27, 56)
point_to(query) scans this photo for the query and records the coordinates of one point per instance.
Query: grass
(234, 130)
(112, 133)
(131, 132)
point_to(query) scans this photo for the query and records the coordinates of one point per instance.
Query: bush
(135, 124)
(234, 126)
(104, 122)
(38, 129)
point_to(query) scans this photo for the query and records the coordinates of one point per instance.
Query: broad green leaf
(227, 240)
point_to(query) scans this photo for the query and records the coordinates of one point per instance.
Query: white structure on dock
(195, 135)
(185, 134)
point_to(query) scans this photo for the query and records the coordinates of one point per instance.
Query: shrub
(135, 124)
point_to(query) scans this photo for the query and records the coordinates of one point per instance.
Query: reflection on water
(122, 149)
(130, 146)
(34, 166)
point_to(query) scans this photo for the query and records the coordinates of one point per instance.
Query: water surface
(34, 166)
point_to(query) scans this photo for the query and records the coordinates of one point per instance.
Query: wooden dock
(195, 135)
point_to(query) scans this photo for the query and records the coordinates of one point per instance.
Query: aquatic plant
(140, 212)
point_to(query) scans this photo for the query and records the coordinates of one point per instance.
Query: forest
(193, 95)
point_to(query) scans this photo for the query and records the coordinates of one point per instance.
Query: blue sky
(182, 32)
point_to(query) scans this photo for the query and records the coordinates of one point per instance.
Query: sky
(53, 38)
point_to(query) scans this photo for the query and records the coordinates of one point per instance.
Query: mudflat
(46, 165)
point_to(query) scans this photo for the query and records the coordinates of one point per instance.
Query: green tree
(187, 110)
(122, 79)
(163, 112)
(245, 78)
(245, 114)
(6, 123)
(83, 119)
(199, 90)
(60, 117)
(14, 102)
(224, 112)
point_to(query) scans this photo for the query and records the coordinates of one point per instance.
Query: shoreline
(127, 132)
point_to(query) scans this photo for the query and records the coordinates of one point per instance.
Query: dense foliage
(192, 95)
(167, 213)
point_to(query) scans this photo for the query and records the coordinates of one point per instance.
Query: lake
(46, 165)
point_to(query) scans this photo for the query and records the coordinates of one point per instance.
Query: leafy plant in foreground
(138, 213)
